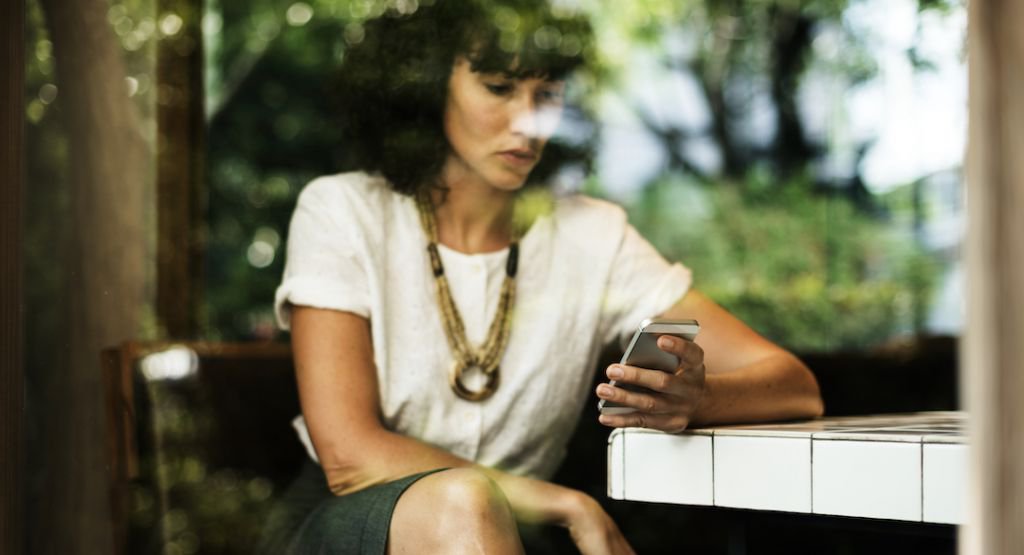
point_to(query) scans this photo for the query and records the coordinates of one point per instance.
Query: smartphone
(643, 352)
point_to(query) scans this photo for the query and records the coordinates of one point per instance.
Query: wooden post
(12, 339)
(108, 171)
(180, 146)
(992, 365)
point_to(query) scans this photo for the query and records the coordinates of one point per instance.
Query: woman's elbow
(345, 476)
(348, 469)
(810, 401)
(815, 406)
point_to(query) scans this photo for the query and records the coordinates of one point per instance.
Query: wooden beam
(108, 167)
(12, 338)
(993, 356)
(180, 190)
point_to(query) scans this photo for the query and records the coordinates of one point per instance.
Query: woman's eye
(549, 96)
(500, 89)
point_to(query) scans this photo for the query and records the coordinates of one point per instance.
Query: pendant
(456, 373)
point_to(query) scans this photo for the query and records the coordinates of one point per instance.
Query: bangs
(526, 43)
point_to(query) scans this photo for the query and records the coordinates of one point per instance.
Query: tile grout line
(623, 479)
(714, 500)
(811, 439)
(609, 462)
(921, 469)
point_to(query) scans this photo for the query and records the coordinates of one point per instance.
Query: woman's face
(497, 125)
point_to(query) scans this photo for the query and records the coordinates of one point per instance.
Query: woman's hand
(673, 397)
(593, 531)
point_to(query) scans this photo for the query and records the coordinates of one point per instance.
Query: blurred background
(803, 157)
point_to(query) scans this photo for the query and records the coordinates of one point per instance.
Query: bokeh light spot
(115, 13)
(406, 7)
(299, 14)
(547, 37)
(145, 29)
(170, 24)
(509, 42)
(259, 489)
(260, 254)
(123, 26)
(269, 235)
(176, 520)
(278, 188)
(571, 46)
(44, 50)
(506, 19)
(35, 110)
(354, 33)
(175, 363)
(47, 93)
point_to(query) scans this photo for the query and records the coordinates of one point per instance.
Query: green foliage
(806, 269)
(185, 506)
(270, 131)
(810, 270)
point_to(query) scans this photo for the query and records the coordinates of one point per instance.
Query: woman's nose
(524, 122)
(533, 121)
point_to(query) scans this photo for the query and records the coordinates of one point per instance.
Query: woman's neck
(472, 216)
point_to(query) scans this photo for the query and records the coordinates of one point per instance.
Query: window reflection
(789, 155)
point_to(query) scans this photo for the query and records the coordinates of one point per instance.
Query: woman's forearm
(382, 456)
(777, 387)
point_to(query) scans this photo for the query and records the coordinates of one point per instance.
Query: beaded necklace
(487, 357)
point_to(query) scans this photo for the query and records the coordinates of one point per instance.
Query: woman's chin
(510, 181)
(511, 186)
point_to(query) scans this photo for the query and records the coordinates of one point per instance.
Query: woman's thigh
(354, 523)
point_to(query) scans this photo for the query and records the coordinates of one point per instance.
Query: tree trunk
(789, 52)
(105, 267)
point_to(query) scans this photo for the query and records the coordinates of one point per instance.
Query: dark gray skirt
(309, 519)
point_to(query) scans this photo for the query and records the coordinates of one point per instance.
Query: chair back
(199, 442)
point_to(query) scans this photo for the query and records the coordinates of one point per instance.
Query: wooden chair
(199, 442)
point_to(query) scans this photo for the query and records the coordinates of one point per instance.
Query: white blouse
(585, 278)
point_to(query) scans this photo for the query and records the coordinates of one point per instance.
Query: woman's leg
(455, 511)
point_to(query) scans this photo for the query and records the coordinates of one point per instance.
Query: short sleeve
(323, 262)
(641, 284)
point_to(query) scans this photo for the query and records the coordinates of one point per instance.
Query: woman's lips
(519, 157)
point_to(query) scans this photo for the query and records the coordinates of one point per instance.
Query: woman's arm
(340, 401)
(729, 374)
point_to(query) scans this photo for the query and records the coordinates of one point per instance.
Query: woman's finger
(655, 380)
(690, 354)
(671, 423)
(646, 402)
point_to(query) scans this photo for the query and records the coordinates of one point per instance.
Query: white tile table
(909, 467)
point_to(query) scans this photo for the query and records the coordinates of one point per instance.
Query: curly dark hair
(393, 83)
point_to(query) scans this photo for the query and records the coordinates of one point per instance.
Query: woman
(443, 340)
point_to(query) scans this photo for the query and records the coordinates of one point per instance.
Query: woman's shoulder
(347, 187)
(356, 196)
(588, 227)
(579, 213)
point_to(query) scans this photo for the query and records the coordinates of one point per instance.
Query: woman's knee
(463, 490)
(452, 510)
